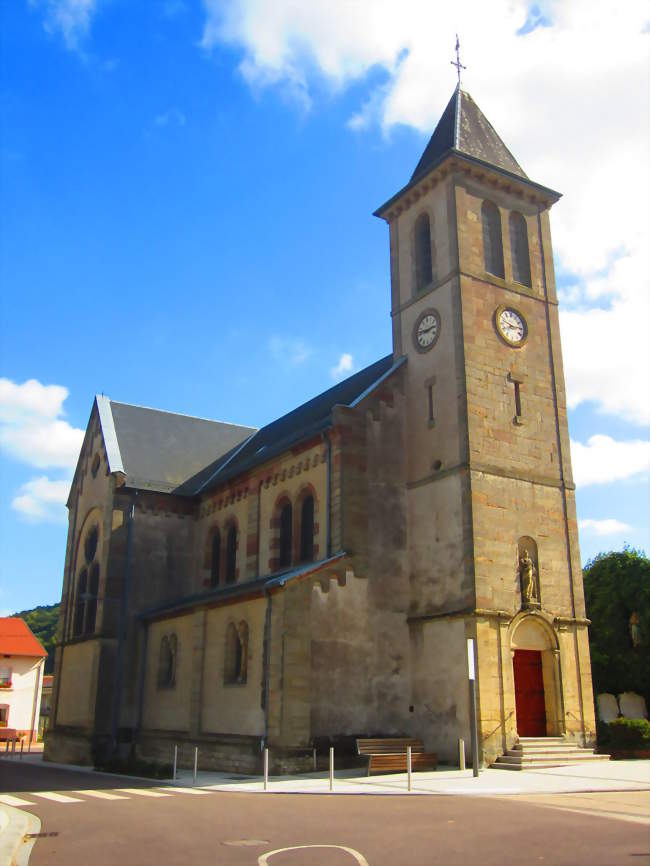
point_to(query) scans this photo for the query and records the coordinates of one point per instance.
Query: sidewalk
(577, 778)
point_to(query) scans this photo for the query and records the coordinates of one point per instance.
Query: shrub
(624, 734)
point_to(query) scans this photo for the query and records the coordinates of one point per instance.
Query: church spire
(464, 128)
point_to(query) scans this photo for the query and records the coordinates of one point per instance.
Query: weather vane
(457, 62)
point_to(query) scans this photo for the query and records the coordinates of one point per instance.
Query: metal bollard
(461, 754)
(408, 765)
(13, 748)
(6, 745)
(266, 769)
(175, 762)
(315, 760)
(21, 749)
(196, 763)
(331, 768)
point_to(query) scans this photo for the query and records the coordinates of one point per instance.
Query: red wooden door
(529, 693)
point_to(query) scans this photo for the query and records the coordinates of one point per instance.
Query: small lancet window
(91, 601)
(231, 555)
(519, 249)
(80, 604)
(286, 535)
(492, 240)
(307, 529)
(423, 257)
(167, 662)
(215, 558)
(236, 653)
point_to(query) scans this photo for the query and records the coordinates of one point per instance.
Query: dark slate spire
(464, 128)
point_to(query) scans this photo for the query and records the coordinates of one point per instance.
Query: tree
(617, 585)
(43, 620)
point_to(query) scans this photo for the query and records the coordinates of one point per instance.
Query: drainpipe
(35, 701)
(117, 702)
(328, 525)
(143, 668)
(267, 668)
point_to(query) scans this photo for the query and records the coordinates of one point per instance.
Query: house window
(4, 715)
(519, 249)
(5, 677)
(423, 258)
(215, 558)
(492, 240)
(231, 554)
(167, 662)
(286, 526)
(236, 653)
(307, 529)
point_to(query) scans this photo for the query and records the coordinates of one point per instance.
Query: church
(318, 579)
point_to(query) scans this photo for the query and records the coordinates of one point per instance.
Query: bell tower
(492, 521)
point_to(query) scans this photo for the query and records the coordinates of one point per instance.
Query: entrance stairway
(532, 753)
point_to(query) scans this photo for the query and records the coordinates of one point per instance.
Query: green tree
(616, 586)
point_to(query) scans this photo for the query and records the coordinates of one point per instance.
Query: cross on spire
(457, 62)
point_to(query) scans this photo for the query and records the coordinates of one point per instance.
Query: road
(106, 821)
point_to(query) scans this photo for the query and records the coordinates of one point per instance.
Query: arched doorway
(536, 677)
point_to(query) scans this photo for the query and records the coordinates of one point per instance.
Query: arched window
(286, 535)
(307, 529)
(423, 257)
(519, 249)
(231, 554)
(167, 661)
(236, 653)
(215, 558)
(492, 241)
(91, 603)
(80, 604)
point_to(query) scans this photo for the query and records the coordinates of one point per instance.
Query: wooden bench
(389, 755)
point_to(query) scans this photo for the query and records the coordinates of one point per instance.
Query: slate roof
(159, 450)
(464, 128)
(17, 639)
(169, 453)
(302, 423)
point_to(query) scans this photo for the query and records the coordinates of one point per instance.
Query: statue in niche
(528, 577)
(635, 629)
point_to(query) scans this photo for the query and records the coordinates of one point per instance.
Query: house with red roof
(22, 660)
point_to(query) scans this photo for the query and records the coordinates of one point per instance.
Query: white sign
(470, 658)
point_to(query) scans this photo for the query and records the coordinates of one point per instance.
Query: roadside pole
(472, 705)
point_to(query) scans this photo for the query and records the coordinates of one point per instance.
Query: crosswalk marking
(102, 795)
(8, 800)
(58, 798)
(183, 790)
(143, 792)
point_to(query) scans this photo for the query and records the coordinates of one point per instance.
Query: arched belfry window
(167, 661)
(231, 554)
(286, 535)
(85, 604)
(215, 558)
(492, 240)
(236, 653)
(519, 249)
(423, 256)
(307, 529)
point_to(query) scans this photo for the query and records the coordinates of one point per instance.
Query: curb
(14, 825)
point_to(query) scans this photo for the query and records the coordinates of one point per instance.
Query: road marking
(183, 790)
(143, 792)
(8, 800)
(102, 795)
(58, 798)
(264, 859)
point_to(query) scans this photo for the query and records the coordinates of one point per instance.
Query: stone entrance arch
(536, 673)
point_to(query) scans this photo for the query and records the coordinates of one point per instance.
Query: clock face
(427, 330)
(511, 325)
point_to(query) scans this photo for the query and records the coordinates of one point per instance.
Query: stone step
(533, 741)
(553, 752)
(519, 762)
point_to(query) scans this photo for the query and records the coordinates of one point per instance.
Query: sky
(187, 192)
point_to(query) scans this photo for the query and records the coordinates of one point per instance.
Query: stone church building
(318, 578)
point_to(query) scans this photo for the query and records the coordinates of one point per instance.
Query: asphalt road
(215, 828)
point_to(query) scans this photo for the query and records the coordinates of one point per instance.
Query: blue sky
(187, 191)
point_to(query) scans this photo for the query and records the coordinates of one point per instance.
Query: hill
(42, 620)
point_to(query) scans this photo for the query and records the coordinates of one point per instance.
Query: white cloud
(42, 500)
(574, 114)
(172, 116)
(31, 429)
(603, 460)
(610, 526)
(289, 350)
(70, 18)
(344, 366)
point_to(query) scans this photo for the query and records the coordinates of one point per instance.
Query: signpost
(472, 705)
